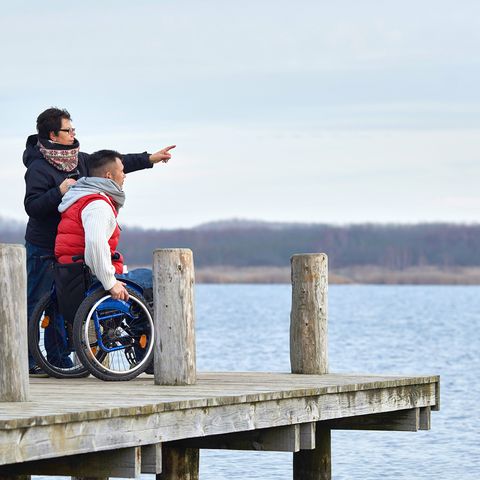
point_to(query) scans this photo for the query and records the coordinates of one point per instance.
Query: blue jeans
(142, 276)
(56, 342)
(39, 279)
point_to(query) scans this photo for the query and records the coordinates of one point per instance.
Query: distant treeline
(395, 247)
(391, 246)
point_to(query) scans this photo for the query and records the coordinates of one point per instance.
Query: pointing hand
(162, 155)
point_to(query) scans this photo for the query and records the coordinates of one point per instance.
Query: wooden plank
(14, 386)
(51, 440)
(307, 436)
(278, 439)
(123, 463)
(152, 458)
(401, 420)
(436, 407)
(63, 401)
(425, 418)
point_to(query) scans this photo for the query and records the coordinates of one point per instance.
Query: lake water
(372, 329)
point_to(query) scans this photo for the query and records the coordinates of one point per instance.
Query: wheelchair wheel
(124, 335)
(48, 342)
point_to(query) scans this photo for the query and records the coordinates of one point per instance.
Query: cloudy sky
(316, 111)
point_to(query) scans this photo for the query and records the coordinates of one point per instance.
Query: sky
(309, 111)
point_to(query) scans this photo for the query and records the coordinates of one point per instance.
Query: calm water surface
(372, 329)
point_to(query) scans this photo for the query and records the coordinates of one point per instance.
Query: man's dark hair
(51, 121)
(99, 160)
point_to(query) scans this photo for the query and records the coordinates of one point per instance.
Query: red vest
(70, 240)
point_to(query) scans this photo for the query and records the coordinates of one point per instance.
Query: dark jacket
(42, 196)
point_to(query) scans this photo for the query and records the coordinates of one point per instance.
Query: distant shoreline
(238, 251)
(370, 274)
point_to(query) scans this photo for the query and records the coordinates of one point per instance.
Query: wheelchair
(79, 329)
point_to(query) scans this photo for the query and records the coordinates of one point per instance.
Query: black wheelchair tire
(34, 339)
(82, 346)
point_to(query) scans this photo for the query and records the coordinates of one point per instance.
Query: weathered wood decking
(70, 417)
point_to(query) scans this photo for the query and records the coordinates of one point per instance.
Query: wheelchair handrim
(90, 318)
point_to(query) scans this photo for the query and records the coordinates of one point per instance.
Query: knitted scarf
(62, 157)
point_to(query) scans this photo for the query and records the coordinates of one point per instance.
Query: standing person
(54, 162)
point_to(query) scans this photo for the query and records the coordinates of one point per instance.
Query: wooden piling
(179, 463)
(309, 351)
(173, 284)
(175, 359)
(14, 381)
(308, 318)
(315, 464)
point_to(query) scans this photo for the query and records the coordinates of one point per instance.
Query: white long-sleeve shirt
(99, 223)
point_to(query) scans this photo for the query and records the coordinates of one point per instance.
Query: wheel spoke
(124, 338)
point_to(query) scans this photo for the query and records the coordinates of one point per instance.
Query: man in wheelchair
(88, 232)
(88, 225)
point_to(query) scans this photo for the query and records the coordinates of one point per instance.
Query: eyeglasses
(71, 131)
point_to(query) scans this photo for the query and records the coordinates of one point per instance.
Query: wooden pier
(88, 428)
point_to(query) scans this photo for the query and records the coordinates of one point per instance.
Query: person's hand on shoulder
(66, 184)
(119, 292)
(162, 155)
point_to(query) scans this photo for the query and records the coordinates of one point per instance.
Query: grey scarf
(90, 185)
